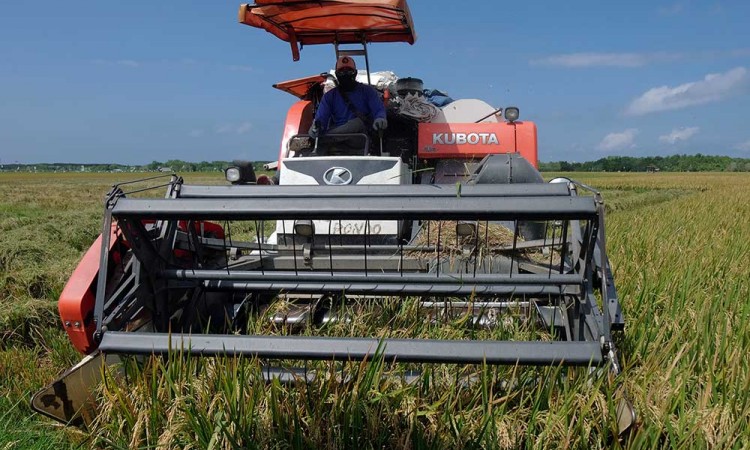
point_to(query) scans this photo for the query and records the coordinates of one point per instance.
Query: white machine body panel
(336, 171)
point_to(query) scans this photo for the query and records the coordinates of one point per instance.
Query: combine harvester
(447, 209)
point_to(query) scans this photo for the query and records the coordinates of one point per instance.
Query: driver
(351, 107)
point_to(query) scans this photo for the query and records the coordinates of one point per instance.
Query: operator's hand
(314, 130)
(380, 124)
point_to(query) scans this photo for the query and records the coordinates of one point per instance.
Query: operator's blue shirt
(333, 111)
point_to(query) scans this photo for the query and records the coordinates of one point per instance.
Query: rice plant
(679, 244)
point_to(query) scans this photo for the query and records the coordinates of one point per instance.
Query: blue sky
(132, 82)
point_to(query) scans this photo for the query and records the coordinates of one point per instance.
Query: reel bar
(357, 349)
(373, 190)
(365, 288)
(352, 208)
(372, 278)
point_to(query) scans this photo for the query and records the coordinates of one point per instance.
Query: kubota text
(464, 138)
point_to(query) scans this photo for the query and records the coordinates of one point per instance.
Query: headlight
(232, 174)
(511, 114)
(466, 229)
(304, 228)
(240, 172)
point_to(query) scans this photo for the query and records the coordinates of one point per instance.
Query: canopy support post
(355, 52)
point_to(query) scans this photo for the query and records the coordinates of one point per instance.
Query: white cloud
(618, 141)
(679, 134)
(240, 68)
(743, 146)
(119, 62)
(594, 59)
(672, 10)
(633, 59)
(243, 128)
(223, 129)
(238, 128)
(127, 63)
(196, 133)
(713, 87)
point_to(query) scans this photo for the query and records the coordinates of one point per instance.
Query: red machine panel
(477, 140)
(298, 120)
(76, 304)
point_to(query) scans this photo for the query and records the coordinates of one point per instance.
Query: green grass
(679, 244)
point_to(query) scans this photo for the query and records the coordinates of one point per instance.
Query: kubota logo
(464, 138)
(337, 176)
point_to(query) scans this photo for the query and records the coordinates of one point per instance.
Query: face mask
(347, 80)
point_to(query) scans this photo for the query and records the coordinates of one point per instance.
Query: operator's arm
(323, 114)
(375, 104)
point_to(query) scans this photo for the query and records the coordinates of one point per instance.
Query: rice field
(680, 247)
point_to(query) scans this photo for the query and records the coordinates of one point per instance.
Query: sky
(132, 82)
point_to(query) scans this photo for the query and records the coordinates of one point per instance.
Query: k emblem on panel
(337, 176)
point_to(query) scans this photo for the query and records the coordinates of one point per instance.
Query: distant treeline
(172, 165)
(674, 163)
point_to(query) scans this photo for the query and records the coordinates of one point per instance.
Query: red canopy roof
(308, 22)
(301, 86)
